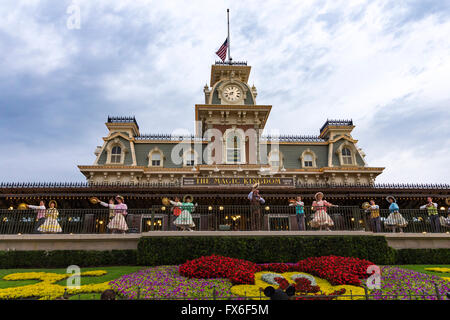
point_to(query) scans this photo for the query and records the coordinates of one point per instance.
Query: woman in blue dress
(395, 219)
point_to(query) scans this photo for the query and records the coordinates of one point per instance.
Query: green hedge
(64, 258)
(154, 251)
(422, 256)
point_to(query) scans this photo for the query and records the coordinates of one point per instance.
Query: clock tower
(230, 102)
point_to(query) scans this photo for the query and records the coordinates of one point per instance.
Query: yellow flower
(48, 289)
(249, 290)
(439, 269)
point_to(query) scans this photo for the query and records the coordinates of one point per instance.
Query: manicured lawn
(112, 273)
(421, 268)
(86, 296)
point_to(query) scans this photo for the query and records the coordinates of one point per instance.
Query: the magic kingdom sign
(273, 182)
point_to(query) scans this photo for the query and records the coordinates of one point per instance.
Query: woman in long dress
(176, 209)
(184, 220)
(321, 218)
(395, 219)
(117, 223)
(51, 224)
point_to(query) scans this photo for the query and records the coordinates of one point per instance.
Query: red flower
(337, 270)
(237, 270)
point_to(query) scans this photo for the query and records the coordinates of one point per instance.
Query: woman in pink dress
(117, 223)
(321, 218)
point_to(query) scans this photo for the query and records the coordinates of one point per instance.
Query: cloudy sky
(384, 64)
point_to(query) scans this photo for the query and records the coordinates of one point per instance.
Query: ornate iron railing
(336, 123)
(230, 218)
(169, 137)
(85, 184)
(115, 119)
(292, 138)
(235, 63)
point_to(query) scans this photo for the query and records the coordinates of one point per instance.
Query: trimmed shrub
(155, 251)
(64, 258)
(422, 256)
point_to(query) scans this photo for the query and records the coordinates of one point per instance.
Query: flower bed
(337, 270)
(401, 283)
(165, 282)
(439, 269)
(237, 270)
(253, 290)
(48, 289)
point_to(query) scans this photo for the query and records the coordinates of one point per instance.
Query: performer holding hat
(176, 211)
(395, 219)
(184, 220)
(321, 218)
(432, 209)
(375, 220)
(40, 211)
(255, 207)
(117, 223)
(51, 224)
(299, 212)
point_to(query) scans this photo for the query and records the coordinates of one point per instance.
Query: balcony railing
(85, 184)
(223, 218)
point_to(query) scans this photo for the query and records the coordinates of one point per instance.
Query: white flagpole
(228, 20)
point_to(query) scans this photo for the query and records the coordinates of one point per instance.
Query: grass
(112, 273)
(421, 268)
(86, 296)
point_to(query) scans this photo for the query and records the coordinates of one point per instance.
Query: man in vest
(375, 220)
(431, 207)
(255, 207)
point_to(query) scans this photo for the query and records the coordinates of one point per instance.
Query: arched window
(156, 159)
(116, 154)
(308, 160)
(346, 156)
(233, 149)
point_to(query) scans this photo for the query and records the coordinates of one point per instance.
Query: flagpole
(228, 20)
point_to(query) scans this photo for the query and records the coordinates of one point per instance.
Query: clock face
(232, 93)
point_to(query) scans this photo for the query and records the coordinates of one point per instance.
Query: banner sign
(272, 182)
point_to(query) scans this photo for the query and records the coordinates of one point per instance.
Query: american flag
(222, 52)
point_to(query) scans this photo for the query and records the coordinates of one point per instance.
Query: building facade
(229, 146)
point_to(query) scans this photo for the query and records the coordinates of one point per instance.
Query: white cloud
(311, 60)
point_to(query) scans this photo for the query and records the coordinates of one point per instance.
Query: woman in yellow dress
(51, 224)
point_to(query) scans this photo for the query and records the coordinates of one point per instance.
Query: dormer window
(156, 159)
(116, 154)
(347, 156)
(308, 160)
(189, 158)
